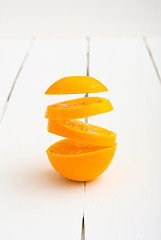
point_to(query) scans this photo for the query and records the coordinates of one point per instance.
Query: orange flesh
(82, 131)
(78, 108)
(73, 147)
(81, 162)
(85, 127)
(78, 102)
(88, 149)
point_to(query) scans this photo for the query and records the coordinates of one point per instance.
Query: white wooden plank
(154, 45)
(12, 52)
(124, 203)
(36, 202)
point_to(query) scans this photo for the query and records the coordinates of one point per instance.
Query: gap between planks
(15, 79)
(10, 93)
(86, 120)
(151, 57)
(86, 95)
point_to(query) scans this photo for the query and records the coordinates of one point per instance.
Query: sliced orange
(75, 85)
(82, 131)
(78, 108)
(79, 161)
(88, 149)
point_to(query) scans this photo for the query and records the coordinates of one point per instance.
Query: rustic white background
(35, 201)
(60, 18)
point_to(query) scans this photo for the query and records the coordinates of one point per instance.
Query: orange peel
(78, 108)
(87, 150)
(82, 131)
(79, 161)
(76, 85)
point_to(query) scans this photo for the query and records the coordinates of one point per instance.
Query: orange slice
(79, 161)
(78, 108)
(75, 85)
(82, 131)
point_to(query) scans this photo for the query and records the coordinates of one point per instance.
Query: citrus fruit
(82, 131)
(80, 161)
(87, 150)
(78, 108)
(76, 85)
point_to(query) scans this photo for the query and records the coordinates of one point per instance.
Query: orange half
(82, 131)
(79, 161)
(78, 108)
(76, 85)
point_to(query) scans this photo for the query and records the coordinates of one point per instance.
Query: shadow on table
(41, 180)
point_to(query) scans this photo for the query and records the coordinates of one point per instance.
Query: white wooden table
(35, 201)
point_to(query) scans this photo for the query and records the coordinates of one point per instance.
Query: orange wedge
(79, 161)
(82, 131)
(75, 85)
(78, 108)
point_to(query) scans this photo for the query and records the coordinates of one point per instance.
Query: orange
(82, 131)
(78, 108)
(80, 161)
(88, 149)
(75, 85)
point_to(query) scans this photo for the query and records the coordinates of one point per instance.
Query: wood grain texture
(36, 202)
(124, 203)
(12, 53)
